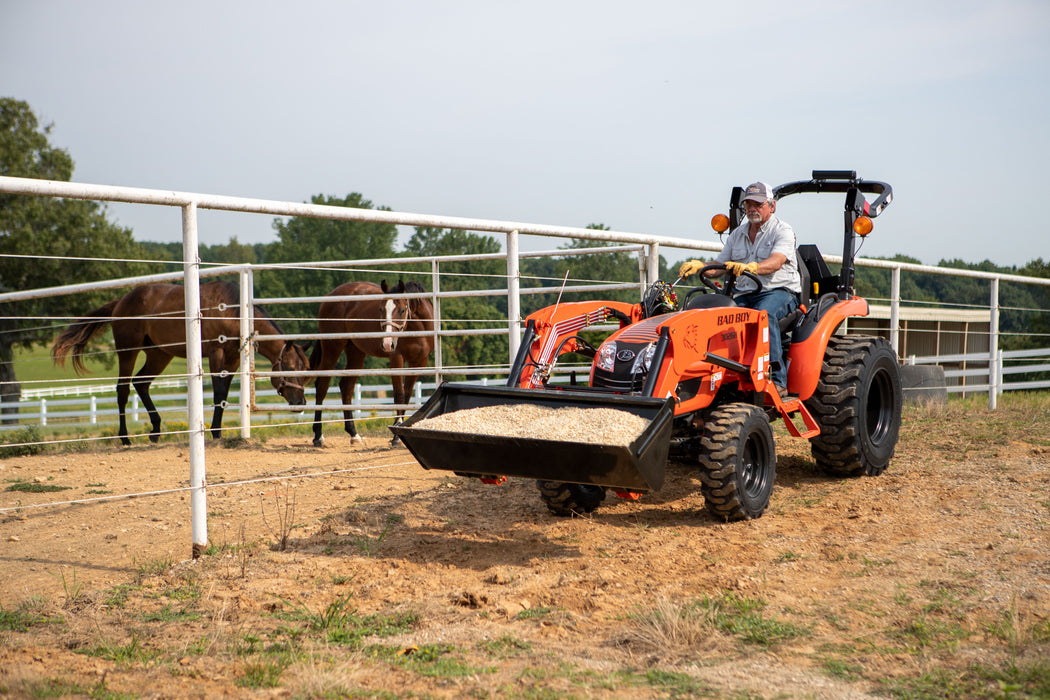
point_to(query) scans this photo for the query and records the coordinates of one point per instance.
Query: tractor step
(637, 467)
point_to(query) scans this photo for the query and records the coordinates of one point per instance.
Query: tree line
(46, 242)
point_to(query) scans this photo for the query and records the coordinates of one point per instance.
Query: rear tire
(738, 462)
(857, 405)
(565, 499)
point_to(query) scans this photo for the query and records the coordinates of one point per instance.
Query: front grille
(625, 384)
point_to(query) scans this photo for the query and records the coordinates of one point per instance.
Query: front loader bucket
(637, 467)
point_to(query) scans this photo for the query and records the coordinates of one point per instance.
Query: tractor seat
(788, 322)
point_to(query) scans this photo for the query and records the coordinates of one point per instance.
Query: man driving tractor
(763, 245)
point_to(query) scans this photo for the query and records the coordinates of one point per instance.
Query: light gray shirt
(775, 236)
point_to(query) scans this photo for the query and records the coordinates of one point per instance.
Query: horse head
(395, 314)
(292, 389)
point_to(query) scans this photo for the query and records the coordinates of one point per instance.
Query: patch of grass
(679, 685)
(743, 617)
(838, 668)
(504, 647)
(189, 590)
(24, 443)
(51, 688)
(673, 627)
(975, 681)
(262, 674)
(152, 567)
(123, 655)
(1014, 628)
(35, 487)
(117, 596)
(24, 617)
(431, 660)
(925, 632)
(533, 676)
(342, 625)
(690, 625)
(171, 613)
(73, 590)
(536, 613)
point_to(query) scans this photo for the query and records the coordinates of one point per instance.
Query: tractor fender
(806, 356)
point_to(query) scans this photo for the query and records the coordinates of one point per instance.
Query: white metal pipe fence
(190, 203)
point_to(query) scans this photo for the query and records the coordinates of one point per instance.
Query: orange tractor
(698, 372)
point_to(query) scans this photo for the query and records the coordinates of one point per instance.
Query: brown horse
(152, 319)
(381, 314)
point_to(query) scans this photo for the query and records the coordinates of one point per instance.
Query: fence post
(993, 346)
(652, 266)
(43, 411)
(435, 301)
(247, 373)
(357, 401)
(895, 309)
(194, 379)
(513, 294)
(135, 407)
(94, 410)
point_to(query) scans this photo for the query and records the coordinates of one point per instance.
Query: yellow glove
(738, 268)
(690, 268)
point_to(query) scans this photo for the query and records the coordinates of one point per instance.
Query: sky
(639, 116)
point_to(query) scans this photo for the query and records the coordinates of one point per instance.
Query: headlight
(607, 356)
(644, 360)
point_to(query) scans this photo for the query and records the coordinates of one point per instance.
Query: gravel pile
(596, 426)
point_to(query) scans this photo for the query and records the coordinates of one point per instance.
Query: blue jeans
(778, 303)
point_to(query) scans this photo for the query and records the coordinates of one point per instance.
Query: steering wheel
(730, 285)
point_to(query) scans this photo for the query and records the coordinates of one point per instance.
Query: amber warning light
(720, 223)
(863, 226)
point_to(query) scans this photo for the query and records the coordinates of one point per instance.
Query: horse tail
(74, 339)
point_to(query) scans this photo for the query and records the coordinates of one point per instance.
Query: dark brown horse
(381, 314)
(152, 319)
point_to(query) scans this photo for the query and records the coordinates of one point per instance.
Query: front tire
(857, 405)
(738, 462)
(566, 500)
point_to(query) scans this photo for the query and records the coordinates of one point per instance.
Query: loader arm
(550, 334)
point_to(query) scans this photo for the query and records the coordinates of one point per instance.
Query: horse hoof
(318, 442)
(357, 440)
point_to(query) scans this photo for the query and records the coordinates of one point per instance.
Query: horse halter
(283, 382)
(394, 325)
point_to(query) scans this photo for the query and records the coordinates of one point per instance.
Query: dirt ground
(932, 580)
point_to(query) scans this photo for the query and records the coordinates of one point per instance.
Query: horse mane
(416, 287)
(260, 311)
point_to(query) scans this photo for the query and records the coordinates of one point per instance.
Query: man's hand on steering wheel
(690, 268)
(738, 268)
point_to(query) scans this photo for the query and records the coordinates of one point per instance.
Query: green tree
(47, 241)
(304, 239)
(619, 266)
(466, 313)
